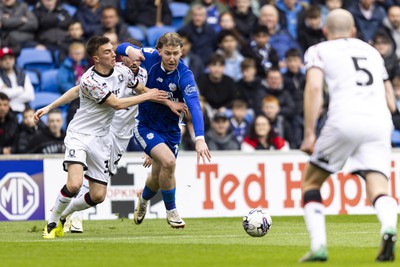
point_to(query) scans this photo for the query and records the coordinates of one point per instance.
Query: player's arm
(390, 99)
(312, 104)
(132, 51)
(122, 103)
(67, 97)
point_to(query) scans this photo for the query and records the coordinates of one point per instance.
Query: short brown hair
(169, 39)
(248, 63)
(94, 43)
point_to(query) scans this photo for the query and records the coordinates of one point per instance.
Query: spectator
(368, 17)
(392, 26)
(227, 22)
(383, 44)
(53, 24)
(239, 122)
(310, 30)
(75, 34)
(271, 109)
(17, 25)
(110, 23)
(228, 48)
(70, 73)
(290, 13)
(213, 11)
(8, 126)
(250, 84)
(203, 35)
(89, 15)
(27, 130)
(51, 140)
(275, 85)
(262, 51)
(396, 90)
(14, 82)
(219, 137)
(330, 5)
(244, 17)
(217, 88)
(144, 13)
(191, 60)
(280, 39)
(262, 137)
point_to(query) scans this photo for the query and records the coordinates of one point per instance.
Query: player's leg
(55, 225)
(314, 216)
(164, 157)
(150, 190)
(74, 221)
(386, 208)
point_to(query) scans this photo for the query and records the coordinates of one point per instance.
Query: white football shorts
(118, 148)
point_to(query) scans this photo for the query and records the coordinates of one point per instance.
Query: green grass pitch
(353, 241)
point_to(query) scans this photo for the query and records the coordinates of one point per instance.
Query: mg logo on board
(19, 196)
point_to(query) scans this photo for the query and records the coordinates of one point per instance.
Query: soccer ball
(257, 223)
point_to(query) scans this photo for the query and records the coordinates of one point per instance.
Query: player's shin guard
(386, 209)
(81, 203)
(169, 198)
(62, 202)
(315, 218)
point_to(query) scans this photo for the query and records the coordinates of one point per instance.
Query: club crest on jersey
(159, 79)
(150, 136)
(71, 153)
(172, 87)
(190, 90)
(120, 78)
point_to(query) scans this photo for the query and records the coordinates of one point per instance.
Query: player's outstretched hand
(202, 151)
(147, 161)
(307, 145)
(157, 95)
(178, 108)
(39, 113)
(135, 54)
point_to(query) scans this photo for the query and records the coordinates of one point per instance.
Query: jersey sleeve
(94, 90)
(312, 58)
(191, 96)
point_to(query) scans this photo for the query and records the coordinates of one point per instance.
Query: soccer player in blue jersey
(157, 128)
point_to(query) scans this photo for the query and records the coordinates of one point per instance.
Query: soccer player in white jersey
(357, 130)
(87, 142)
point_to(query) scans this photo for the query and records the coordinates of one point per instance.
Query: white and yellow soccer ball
(257, 222)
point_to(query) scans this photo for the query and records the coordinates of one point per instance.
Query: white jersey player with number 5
(357, 130)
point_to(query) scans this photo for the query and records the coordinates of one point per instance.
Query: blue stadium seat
(48, 81)
(137, 33)
(396, 138)
(179, 11)
(153, 33)
(35, 80)
(35, 59)
(42, 99)
(70, 9)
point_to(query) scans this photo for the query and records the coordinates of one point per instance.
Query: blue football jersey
(180, 86)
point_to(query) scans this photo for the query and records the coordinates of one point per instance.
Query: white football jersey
(354, 73)
(93, 117)
(124, 119)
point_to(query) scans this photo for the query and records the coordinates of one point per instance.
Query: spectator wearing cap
(8, 126)
(14, 82)
(219, 137)
(17, 24)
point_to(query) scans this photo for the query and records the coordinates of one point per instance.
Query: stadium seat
(48, 81)
(35, 59)
(179, 11)
(35, 80)
(69, 8)
(396, 138)
(153, 33)
(43, 99)
(137, 33)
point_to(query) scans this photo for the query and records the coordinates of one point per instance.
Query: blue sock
(169, 198)
(147, 194)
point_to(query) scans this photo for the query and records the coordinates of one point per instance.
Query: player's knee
(168, 164)
(97, 197)
(73, 186)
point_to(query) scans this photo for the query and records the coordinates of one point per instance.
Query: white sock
(76, 204)
(386, 209)
(314, 218)
(144, 201)
(61, 204)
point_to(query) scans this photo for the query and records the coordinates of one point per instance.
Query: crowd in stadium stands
(246, 56)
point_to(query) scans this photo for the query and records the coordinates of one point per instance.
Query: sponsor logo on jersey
(190, 90)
